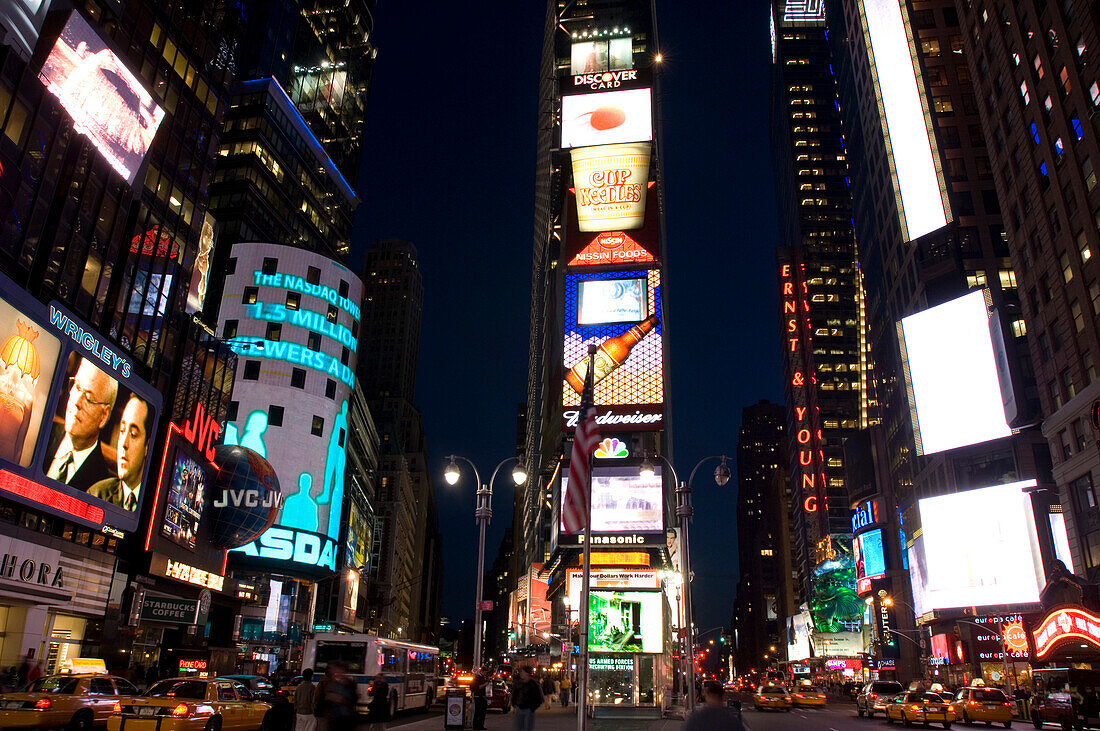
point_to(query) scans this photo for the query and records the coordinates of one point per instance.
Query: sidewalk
(557, 718)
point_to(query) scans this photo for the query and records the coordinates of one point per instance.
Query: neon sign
(1066, 624)
(298, 355)
(809, 472)
(864, 515)
(298, 284)
(303, 318)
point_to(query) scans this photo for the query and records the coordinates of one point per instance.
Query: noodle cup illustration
(611, 182)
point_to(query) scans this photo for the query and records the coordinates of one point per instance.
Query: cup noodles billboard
(106, 102)
(610, 184)
(636, 246)
(606, 118)
(76, 425)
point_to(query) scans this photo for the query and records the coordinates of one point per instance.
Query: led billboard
(625, 621)
(629, 369)
(952, 375)
(906, 125)
(606, 118)
(870, 555)
(294, 315)
(978, 548)
(602, 301)
(623, 501)
(107, 103)
(610, 183)
(75, 424)
(608, 579)
(601, 54)
(799, 628)
(185, 498)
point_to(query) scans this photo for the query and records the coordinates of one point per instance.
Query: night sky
(449, 163)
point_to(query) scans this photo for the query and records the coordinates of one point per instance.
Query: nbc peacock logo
(612, 448)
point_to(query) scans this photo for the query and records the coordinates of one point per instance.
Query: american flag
(578, 489)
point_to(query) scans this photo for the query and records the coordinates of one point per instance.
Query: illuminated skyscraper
(597, 267)
(930, 230)
(827, 372)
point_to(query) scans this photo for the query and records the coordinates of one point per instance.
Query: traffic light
(511, 634)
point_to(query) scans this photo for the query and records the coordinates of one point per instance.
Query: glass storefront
(626, 681)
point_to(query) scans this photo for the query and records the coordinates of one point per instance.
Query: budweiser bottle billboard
(611, 354)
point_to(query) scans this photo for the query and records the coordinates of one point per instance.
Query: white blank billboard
(906, 124)
(980, 548)
(952, 375)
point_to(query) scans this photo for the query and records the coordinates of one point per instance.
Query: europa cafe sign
(809, 472)
(1066, 624)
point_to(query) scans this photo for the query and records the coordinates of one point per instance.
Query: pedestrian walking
(715, 715)
(548, 689)
(24, 669)
(526, 697)
(338, 698)
(481, 701)
(566, 687)
(379, 707)
(35, 673)
(304, 705)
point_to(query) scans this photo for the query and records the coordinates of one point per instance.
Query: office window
(270, 265)
(313, 342)
(330, 389)
(274, 415)
(250, 294)
(1078, 316)
(251, 370)
(229, 330)
(1083, 492)
(231, 266)
(293, 300)
(313, 275)
(1024, 93)
(1068, 385)
(1089, 366)
(231, 412)
(1092, 549)
(1008, 278)
(343, 288)
(318, 429)
(297, 378)
(1019, 328)
(333, 313)
(1067, 270)
(274, 331)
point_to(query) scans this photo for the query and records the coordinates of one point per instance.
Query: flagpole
(582, 676)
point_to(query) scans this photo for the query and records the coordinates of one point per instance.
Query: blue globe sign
(245, 499)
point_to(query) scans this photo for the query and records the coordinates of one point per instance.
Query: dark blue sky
(449, 164)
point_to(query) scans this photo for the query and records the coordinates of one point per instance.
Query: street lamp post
(684, 512)
(483, 513)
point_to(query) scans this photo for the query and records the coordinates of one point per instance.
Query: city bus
(410, 668)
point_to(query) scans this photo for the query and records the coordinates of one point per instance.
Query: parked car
(984, 704)
(190, 704)
(77, 702)
(872, 699)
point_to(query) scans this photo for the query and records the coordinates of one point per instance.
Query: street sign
(487, 605)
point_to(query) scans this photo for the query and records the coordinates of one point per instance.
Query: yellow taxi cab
(191, 704)
(984, 704)
(920, 706)
(808, 695)
(772, 696)
(77, 701)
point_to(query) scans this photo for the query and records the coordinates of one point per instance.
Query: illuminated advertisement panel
(623, 501)
(870, 555)
(906, 125)
(603, 54)
(21, 22)
(292, 317)
(609, 579)
(625, 621)
(602, 301)
(1061, 538)
(804, 12)
(75, 424)
(607, 118)
(185, 498)
(952, 375)
(629, 368)
(1065, 625)
(359, 538)
(107, 103)
(978, 548)
(611, 246)
(200, 271)
(610, 183)
(799, 628)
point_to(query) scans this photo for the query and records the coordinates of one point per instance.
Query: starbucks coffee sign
(23, 563)
(168, 609)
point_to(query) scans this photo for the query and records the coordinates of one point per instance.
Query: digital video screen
(612, 300)
(625, 621)
(186, 499)
(107, 103)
